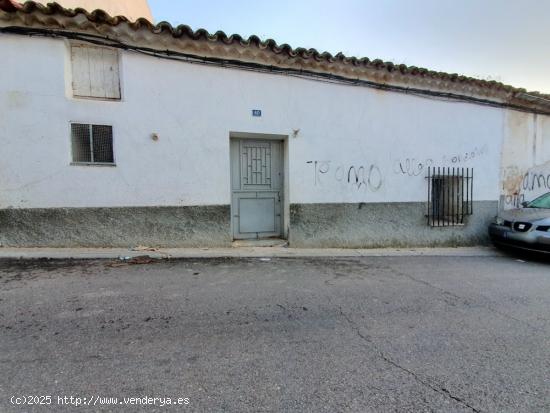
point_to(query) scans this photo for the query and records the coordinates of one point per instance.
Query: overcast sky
(503, 40)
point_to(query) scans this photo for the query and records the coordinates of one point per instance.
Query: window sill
(446, 224)
(97, 98)
(112, 165)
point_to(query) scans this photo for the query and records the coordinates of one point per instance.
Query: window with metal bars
(92, 144)
(450, 193)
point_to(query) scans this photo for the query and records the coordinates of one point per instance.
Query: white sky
(503, 40)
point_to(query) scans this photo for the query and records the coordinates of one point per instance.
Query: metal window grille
(450, 195)
(92, 144)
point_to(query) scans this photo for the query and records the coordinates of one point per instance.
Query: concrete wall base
(373, 225)
(379, 225)
(188, 226)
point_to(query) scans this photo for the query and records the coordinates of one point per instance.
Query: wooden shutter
(95, 72)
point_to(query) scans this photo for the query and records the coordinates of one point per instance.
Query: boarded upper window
(95, 72)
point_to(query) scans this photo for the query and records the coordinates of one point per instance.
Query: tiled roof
(56, 16)
(9, 5)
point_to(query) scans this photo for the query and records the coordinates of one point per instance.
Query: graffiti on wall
(368, 176)
(419, 166)
(360, 177)
(519, 187)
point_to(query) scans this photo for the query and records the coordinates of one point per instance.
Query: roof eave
(183, 39)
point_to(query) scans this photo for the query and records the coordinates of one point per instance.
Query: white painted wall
(194, 108)
(525, 158)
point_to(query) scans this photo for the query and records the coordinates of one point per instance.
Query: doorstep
(260, 243)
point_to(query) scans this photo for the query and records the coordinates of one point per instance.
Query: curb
(255, 252)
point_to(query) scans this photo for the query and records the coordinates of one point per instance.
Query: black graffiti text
(533, 181)
(366, 176)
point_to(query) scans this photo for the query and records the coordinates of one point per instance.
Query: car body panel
(526, 228)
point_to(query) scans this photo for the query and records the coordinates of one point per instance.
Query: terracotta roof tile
(9, 5)
(100, 17)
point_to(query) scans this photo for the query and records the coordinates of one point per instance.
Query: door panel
(256, 165)
(256, 215)
(256, 182)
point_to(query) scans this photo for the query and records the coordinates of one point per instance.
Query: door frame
(285, 190)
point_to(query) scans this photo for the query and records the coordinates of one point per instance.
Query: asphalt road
(381, 334)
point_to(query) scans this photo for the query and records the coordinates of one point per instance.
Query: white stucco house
(119, 133)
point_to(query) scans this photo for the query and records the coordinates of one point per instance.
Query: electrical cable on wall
(258, 67)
